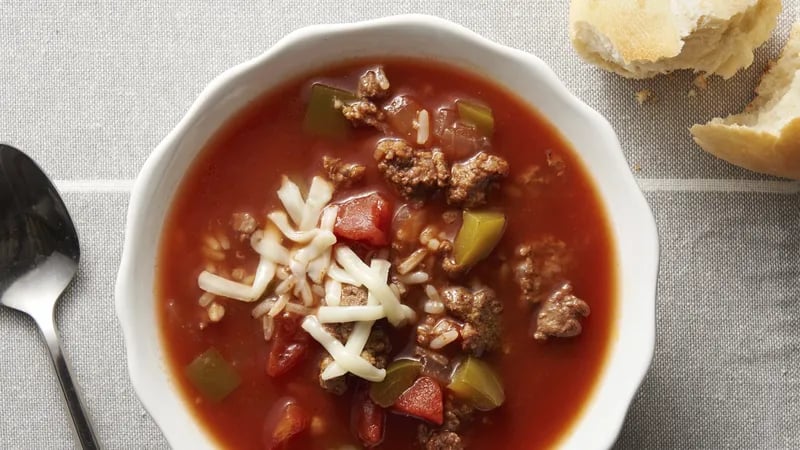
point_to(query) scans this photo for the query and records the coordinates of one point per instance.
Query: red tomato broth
(546, 384)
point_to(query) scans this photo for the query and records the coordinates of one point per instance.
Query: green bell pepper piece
(322, 117)
(478, 115)
(400, 375)
(212, 375)
(479, 234)
(477, 384)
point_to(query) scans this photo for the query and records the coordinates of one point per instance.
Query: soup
(394, 254)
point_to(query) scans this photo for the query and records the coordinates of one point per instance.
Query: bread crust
(759, 151)
(643, 38)
(645, 35)
(766, 137)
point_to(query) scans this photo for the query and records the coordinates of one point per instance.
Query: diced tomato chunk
(365, 219)
(422, 400)
(367, 419)
(401, 113)
(286, 420)
(289, 346)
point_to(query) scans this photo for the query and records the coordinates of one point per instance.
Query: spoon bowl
(39, 255)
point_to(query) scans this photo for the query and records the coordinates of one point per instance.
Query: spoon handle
(81, 426)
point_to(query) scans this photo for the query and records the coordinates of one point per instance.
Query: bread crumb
(691, 93)
(637, 168)
(701, 82)
(643, 95)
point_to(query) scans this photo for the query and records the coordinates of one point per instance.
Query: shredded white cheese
(333, 292)
(328, 219)
(303, 290)
(281, 221)
(224, 287)
(217, 285)
(321, 243)
(395, 312)
(265, 272)
(292, 200)
(350, 362)
(340, 275)
(268, 244)
(361, 330)
(312, 271)
(319, 195)
(318, 267)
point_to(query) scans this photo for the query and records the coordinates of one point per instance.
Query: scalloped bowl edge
(591, 136)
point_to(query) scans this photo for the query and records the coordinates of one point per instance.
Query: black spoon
(39, 256)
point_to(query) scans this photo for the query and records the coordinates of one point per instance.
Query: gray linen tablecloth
(89, 87)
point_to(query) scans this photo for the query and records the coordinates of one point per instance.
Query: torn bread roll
(644, 38)
(766, 136)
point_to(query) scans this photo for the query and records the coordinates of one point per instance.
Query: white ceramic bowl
(634, 230)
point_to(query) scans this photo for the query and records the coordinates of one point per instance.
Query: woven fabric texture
(88, 88)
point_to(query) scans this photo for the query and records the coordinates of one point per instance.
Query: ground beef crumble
(480, 311)
(341, 331)
(414, 173)
(336, 386)
(343, 175)
(560, 314)
(363, 112)
(373, 84)
(450, 267)
(353, 295)
(439, 440)
(539, 267)
(471, 180)
(457, 414)
(376, 352)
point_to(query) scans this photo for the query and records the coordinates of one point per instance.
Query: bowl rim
(638, 365)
